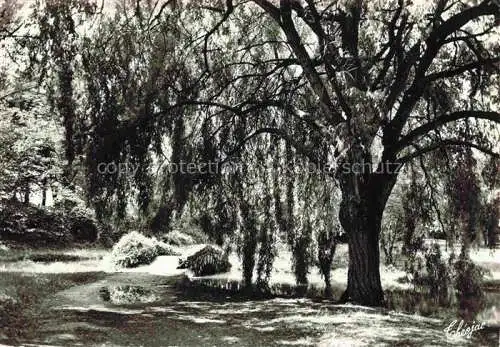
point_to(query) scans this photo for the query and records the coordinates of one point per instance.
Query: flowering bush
(135, 249)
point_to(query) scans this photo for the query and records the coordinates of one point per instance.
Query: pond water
(86, 303)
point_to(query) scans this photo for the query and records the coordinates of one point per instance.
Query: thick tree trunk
(363, 279)
(364, 196)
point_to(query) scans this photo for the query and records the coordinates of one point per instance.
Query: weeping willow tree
(132, 73)
(376, 105)
(357, 88)
(448, 196)
(141, 97)
(251, 208)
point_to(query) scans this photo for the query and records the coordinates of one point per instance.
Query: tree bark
(249, 246)
(27, 192)
(363, 280)
(44, 193)
(364, 196)
(326, 251)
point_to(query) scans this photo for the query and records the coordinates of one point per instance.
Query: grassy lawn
(207, 310)
(21, 295)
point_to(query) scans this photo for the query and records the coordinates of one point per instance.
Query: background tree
(58, 24)
(7, 17)
(30, 148)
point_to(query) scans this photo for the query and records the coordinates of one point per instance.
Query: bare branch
(393, 43)
(443, 144)
(306, 63)
(272, 10)
(227, 13)
(440, 121)
(433, 44)
(461, 69)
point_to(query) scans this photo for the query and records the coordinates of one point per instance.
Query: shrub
(438, 275)
(84, 228)
(127, 295)
(135, 249)
(468, 285)
(208, 261)
(178, 238)
(34, 226)
(188, 225)
(431, 275)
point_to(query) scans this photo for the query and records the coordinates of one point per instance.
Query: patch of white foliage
(135, 249)
(178, 238)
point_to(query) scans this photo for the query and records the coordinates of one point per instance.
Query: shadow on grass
(44, 258)
(223, 290)
(21, 297)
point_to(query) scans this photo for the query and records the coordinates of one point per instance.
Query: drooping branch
(440, 121)
(300, 148)
(433, 192)
(227, 13)
(461, 69)
(443, 144)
